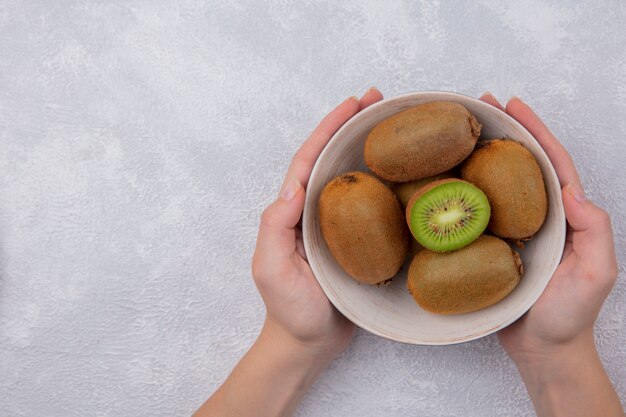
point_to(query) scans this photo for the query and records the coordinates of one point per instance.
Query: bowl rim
(398, 338)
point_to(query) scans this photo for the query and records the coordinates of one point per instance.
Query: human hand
(567, 309)
(298, 312)
(553, 344)
(302, 332)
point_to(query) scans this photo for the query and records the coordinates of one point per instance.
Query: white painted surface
(140, 140)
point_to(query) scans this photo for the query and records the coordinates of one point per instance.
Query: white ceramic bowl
(389, 311)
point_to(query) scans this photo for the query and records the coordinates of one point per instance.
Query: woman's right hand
(553, 342)
(568, 307)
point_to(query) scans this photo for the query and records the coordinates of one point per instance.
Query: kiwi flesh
(511, 178)
(363, 225)
(447, 214)
(421, 141)
(469, 279)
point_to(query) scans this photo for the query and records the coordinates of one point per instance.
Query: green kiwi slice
(448, 214)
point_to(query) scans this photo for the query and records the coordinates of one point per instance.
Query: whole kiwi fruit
(363, 225)
(511, 178)
(469, 279)
(405, 190)
(422, 141)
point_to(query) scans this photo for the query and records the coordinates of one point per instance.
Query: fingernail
(576, 192)
(370, 89)
(355, 98)
(516, 98)
(290, 189)
(488, 93)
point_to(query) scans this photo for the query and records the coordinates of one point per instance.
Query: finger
(592, 238)
(371, 96)
(560, 158)
(569, 245)
(300, 244)
(276, 240)
(302, 163)
(488, 98)
(584, 217)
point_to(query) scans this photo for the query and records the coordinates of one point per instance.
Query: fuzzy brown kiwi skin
(469, 279)
(421, 192)
(422, 141)
(511, 179)
(363, 225)
(405, 190)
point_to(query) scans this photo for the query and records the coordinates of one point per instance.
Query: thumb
(582, 215)
(277, 236)
(592, 236)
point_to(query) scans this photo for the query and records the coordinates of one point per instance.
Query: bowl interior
(389, 311)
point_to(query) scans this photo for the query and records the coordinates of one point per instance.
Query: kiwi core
(452, 216)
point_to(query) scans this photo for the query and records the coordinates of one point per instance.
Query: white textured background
(139, 142)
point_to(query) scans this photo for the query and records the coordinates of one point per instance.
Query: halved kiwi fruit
(447, 214)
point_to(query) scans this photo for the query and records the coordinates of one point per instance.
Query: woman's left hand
(298, 311)
(303, 332)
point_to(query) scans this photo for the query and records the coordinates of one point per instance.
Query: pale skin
(552, 345)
